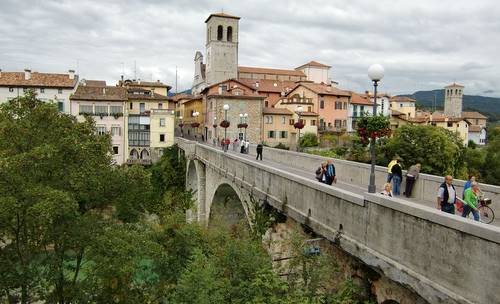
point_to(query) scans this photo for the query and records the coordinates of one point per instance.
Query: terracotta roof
(109, 93)
(228, 80)
(454, 85)
(358, 99)
(269, 85)
(231, 96)
(473, 115)
(148, 96)
(46, 80)
(140, 83)
(93, 83)
(402, 99)
(276, 111)
(223, 15)
(416, 119)
(180, 96)
(323, 89)
(254, 70)
(313, 64)
(474, 128)
(308, 114)
(397, 113)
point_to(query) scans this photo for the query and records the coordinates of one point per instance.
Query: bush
(309, 140)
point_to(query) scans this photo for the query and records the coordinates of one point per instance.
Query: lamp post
(214, 136)
(195, 115)
(226, 108)
(300, 109)
(376, 73)
(181, 125)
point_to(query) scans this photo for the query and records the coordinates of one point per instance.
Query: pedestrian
(247, 147)
(227, 143)
(214, 141)
(202, 137)
(389, 169)
(471, 196)
(222, 144)
(259, 151)
(331, 176)
(447, 196)
(411, 177)
(397, 177)
(468, 184)
(321, 173)
(387, 190)
(235, 144)
(242, 146)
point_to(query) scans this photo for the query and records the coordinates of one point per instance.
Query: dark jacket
(446, 194)
(396, 170)
(259, 148)
(319, 174)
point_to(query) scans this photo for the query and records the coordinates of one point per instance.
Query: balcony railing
(137, 161)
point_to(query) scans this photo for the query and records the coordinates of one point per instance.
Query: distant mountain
(434, 99)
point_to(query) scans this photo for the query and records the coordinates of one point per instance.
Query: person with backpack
(397, 177)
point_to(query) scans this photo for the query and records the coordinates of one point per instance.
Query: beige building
(316, 72)
(162, 131)
(308, 117)
(154, 86)
(402, 106)
(278, 127)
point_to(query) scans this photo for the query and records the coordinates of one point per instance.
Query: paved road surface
(342, 185)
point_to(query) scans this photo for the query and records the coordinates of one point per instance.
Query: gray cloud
(423, 45)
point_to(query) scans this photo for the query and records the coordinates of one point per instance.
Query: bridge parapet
(443, 258)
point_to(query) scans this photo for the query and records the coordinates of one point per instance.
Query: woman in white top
(387, 189)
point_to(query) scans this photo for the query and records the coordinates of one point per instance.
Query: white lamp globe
(246, 115)
(180, 117)
(241, 115)
(300, 109)
(226, 107)
(376, 72)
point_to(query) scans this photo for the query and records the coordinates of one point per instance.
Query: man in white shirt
(447, 195)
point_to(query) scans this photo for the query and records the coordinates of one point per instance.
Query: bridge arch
(195, 181)
(227, 206)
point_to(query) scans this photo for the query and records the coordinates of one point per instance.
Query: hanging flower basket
(242, 125)
(195, 124)
(225, 124)
(298, 125)
(373, 127)
(215, 126)
(181, 125)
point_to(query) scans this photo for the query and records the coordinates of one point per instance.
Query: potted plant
(298, 125)
(225, 124)
(242, 125)
(373, 127)
(195, 124)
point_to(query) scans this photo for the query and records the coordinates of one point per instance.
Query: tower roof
(454, 85)
(223, 15)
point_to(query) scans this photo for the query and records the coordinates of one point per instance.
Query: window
(283, 134)
(400, 105)
(131, 106)
(162, 122)
(309, 109)
(160, 105)
(270, 134)
(338, 105)
(322, 103)
(162, 137)
(142, 107)
(240, 136)
(291, 122)
(115, 150)
(230, 33)
(115, 131)
(24, 90)
(313, 122)
(60, 106)
(338, 123)
(450, 124)
(345, 105)
(101, 130)
(113, 110)
(283, 120)
(267, 103)
(344, 123)
(59, 91)
(101, 110)
(86, 109)
(11, 89)
(42, 90)
(219, 32)
(269, 119)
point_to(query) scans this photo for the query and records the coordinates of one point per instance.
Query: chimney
(27, 74)
(220, 90)
(71, 74)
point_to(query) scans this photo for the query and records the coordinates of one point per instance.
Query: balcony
(143, 162)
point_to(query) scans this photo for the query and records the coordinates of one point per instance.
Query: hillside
(488, 106)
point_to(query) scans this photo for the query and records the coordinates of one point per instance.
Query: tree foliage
(309, 140)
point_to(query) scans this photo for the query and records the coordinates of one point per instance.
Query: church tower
(221, 48)
(453, 99)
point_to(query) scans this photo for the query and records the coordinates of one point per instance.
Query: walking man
(397, 177)
(331, 176)
(447, 196)
(259, 151)
(411, 177)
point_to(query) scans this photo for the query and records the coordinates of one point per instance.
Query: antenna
(175, 79)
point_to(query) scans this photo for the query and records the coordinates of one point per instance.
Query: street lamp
(196, 124)
(300, 109)
(376, 73)
(226, 108)
(181, 125)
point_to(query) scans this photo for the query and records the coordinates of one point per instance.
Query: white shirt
(451, 194)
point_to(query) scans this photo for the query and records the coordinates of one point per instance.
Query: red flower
(181, 125)
(242, 125)
(214, 125)
(195, 124)
(225, 124)
(298, 125)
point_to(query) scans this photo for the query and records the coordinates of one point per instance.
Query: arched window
(230, 33)
(219, 32)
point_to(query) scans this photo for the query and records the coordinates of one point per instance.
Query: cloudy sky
(423, 44)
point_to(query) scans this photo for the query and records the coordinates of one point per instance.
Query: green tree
(438, 150)
(491, 168)
(309, 140)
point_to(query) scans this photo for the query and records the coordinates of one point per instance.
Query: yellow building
(154, 86)
(307, 116)
(161, 131)
(277, 126)
(402, 105)
(190, 107)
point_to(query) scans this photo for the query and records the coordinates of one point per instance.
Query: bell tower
(221, 48)
(453, 99)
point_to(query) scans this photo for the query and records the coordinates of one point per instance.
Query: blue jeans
(396, 185)
(467, 210)
(389, 177)
(448, 208)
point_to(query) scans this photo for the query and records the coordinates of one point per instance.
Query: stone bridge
(440, 257)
